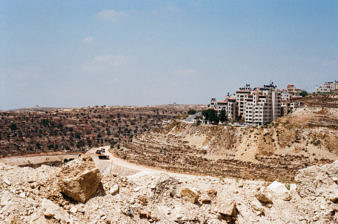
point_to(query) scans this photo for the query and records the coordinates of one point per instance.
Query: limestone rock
(189, 195)
(264, 199)
(79, 180)
(255, 205)
(227, 210)
(278, 190)
(205, 199)
(51, 210)
(114, 190)
(212, 193)
(6, 181)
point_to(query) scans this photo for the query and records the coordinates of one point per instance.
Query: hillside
(41, 130)
(306, 137)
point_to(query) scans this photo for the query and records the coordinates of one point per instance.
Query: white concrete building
(229, 105)
(241, 97)
(258, 106)
(327, 87)
(263, 105)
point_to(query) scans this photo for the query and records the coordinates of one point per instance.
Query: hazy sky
(78, 53)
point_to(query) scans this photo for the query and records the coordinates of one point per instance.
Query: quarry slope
(306, 137)
(29, 195)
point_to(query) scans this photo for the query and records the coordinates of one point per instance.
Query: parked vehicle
(104, 157)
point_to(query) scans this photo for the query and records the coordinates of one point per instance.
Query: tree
(222, 116)
(211, 116)
(303, 93)
(13, 126)
(192, 111)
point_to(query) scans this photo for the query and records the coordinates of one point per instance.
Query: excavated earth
(29, 195)
(307, 137)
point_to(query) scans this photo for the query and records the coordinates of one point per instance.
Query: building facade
(263, 105)
(257, 106)
(241, 97)
(327, 87)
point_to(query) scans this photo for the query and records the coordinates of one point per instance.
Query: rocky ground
(83, 192)
(309, 136)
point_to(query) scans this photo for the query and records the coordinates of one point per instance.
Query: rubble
(53, 211)
(163, 197)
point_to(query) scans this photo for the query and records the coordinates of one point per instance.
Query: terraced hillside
(308, 136)
(75, 130)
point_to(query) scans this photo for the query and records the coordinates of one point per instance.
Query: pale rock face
(114, 190)
(264, 198)
(73, 210)
(279, 191)
(79, 180)
(257, 207)
(154, 201)
(6, 181)
(51, 210)
(227, 210)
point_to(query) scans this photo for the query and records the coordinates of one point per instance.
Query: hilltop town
(261, 105)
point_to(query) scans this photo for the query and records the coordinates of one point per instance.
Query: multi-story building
(263, 105)
(327, 87)
(232, 109)
(241, 97)
(258, 106)
(290, 91)
(229, 105)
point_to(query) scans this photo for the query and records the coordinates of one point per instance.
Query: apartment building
(290, 98)
(229, 105)
(241, 97)
(290, 91)
(232, 110)
(290, 105)
(257, 106)
(327, 87)
(263, 105)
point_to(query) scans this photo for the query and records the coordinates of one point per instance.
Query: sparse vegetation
(76, 130)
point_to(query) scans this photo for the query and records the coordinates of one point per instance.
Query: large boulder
(278, 190)
(79, 179)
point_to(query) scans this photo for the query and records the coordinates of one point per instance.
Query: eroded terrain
(307, 137)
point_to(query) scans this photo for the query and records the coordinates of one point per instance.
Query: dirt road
(124, 168)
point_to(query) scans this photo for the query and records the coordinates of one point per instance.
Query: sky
(71, 53)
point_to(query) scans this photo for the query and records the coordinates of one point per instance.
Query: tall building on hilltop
(263, 105)
(257, 106)
(241, 97)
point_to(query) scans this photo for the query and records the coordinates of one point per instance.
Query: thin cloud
(88, 40)
(106, 62)
(173, 8)
(110, 15)
(330, 63)
(186, 72)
